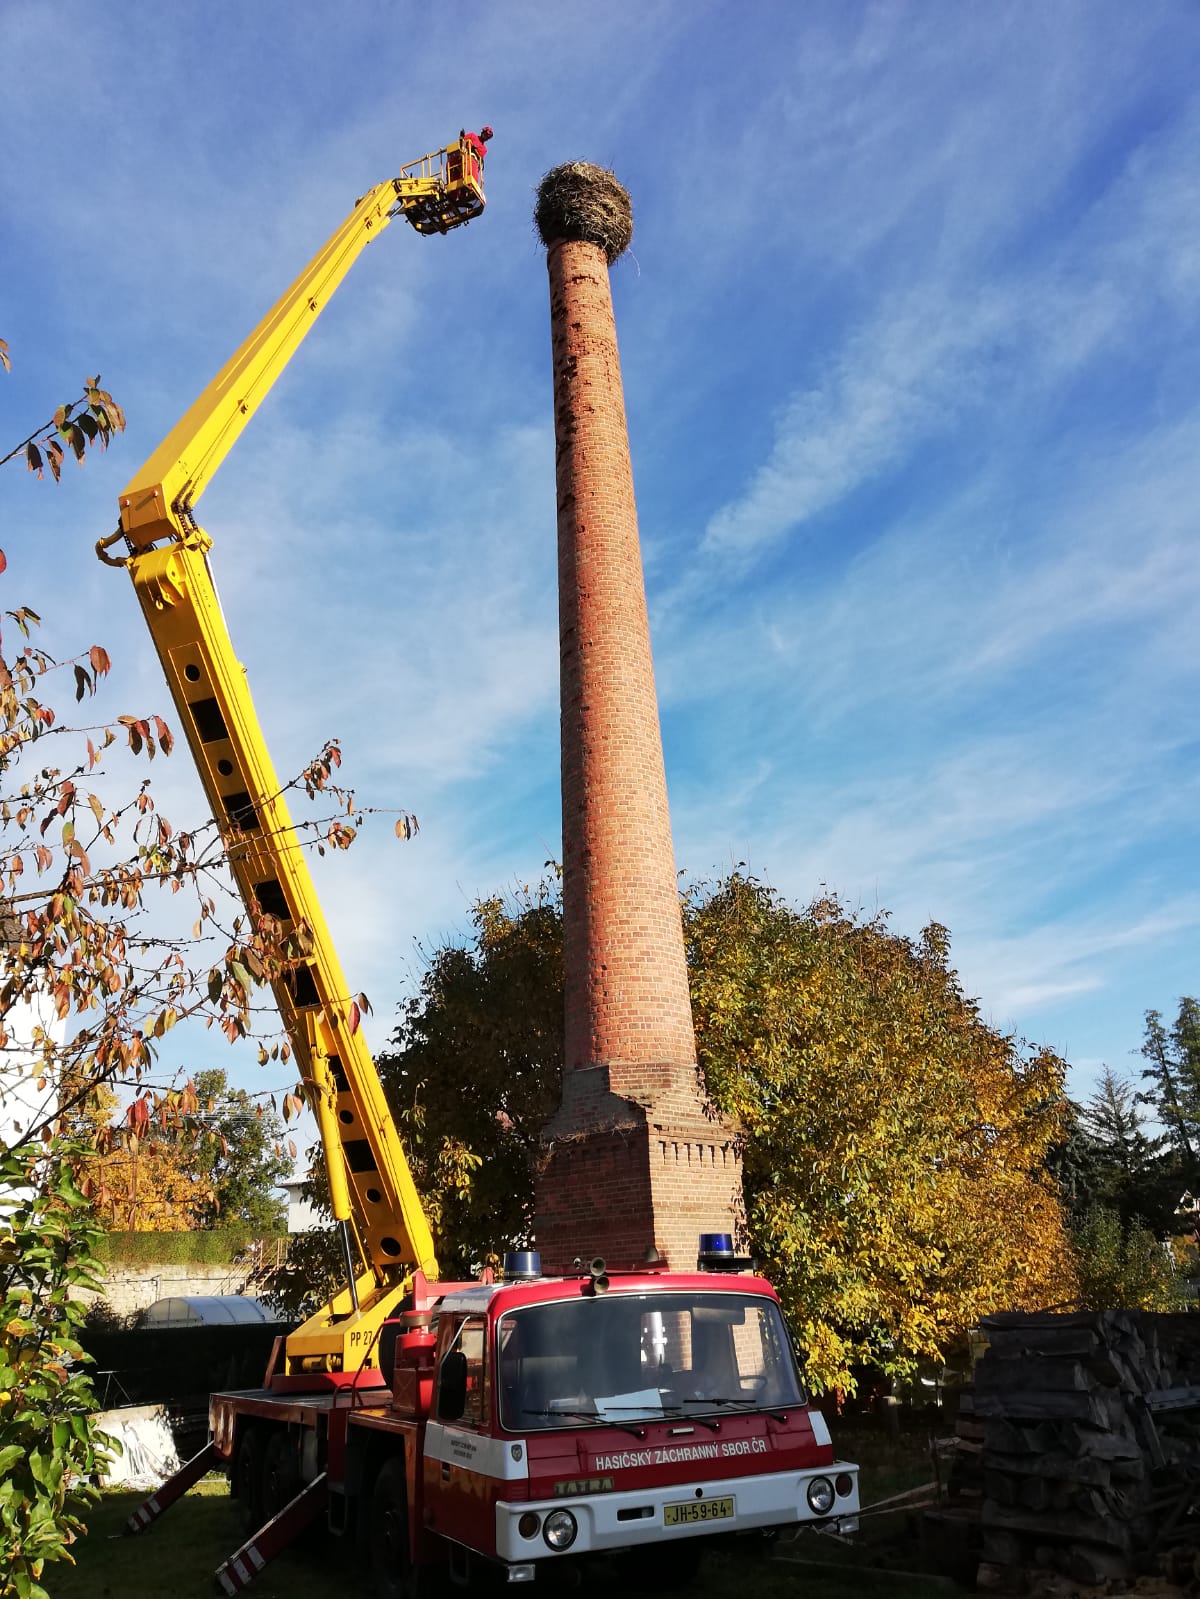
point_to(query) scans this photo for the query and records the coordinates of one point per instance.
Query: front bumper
(635, 1517)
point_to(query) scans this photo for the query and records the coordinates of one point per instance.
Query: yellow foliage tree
(139, 1178)
(895, 1144)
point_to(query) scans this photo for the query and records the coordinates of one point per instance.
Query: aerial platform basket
(443, 190)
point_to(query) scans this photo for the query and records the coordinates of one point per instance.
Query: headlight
(820, 1496)
(561, 1528)
(529, 1524)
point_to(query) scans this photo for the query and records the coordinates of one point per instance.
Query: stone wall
(128, 1289)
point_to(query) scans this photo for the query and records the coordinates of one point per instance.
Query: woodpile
(1090, 1458)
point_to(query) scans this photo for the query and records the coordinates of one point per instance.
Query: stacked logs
(1091, 1440)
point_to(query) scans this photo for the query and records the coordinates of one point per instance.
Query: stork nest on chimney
(579, 201)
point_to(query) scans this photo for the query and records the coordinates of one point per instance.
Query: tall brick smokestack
(633, 1156)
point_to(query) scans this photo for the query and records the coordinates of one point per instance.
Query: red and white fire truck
(528, 1423)
(522, 1423)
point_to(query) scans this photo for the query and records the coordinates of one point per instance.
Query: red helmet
(485, 133)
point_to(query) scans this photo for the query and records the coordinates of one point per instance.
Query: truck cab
(583, 1416)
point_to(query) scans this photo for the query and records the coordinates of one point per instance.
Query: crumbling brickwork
(633, 1156)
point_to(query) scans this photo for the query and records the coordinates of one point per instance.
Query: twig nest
(579, 201)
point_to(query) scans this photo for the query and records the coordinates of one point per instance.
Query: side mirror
(452, 1386)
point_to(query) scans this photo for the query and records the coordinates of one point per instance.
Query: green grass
(177, 1557)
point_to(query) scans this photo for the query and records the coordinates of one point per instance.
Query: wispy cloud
(956, 347)
(886, 390)
(437, 608)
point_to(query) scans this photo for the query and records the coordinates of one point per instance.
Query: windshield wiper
(591, 1418)
(738, 1404)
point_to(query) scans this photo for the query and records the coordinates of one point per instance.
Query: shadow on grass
(177, 1557)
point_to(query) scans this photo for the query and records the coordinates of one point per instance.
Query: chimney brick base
(617, 1176)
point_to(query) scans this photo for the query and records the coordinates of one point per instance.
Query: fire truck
(519, 1423)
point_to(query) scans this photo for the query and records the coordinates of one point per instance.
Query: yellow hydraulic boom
(371, 1189)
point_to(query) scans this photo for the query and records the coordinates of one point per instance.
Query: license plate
(691, 1510)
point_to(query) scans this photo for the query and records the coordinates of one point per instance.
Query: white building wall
(302, 1215)
(22, 1103)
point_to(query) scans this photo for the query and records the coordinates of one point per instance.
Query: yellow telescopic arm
(155, 503)
(371, 1187)
(436, 193)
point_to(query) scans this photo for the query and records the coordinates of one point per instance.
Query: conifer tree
(1123, 1154)
(1173, 1094)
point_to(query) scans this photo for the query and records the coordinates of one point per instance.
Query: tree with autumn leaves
(49, 1447)
(214, 1162)
(894, 1143)
(90, 985)
(97, 959)
(82, 953)
(76, 426)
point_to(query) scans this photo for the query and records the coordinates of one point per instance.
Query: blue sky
(909, 340)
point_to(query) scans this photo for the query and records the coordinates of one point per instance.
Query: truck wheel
(392, 1570)
(280, 1482)
(247, 1477)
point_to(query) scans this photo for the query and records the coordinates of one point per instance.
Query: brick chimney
(634, 1156)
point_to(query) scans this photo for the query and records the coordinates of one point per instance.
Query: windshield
(628, 1358)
